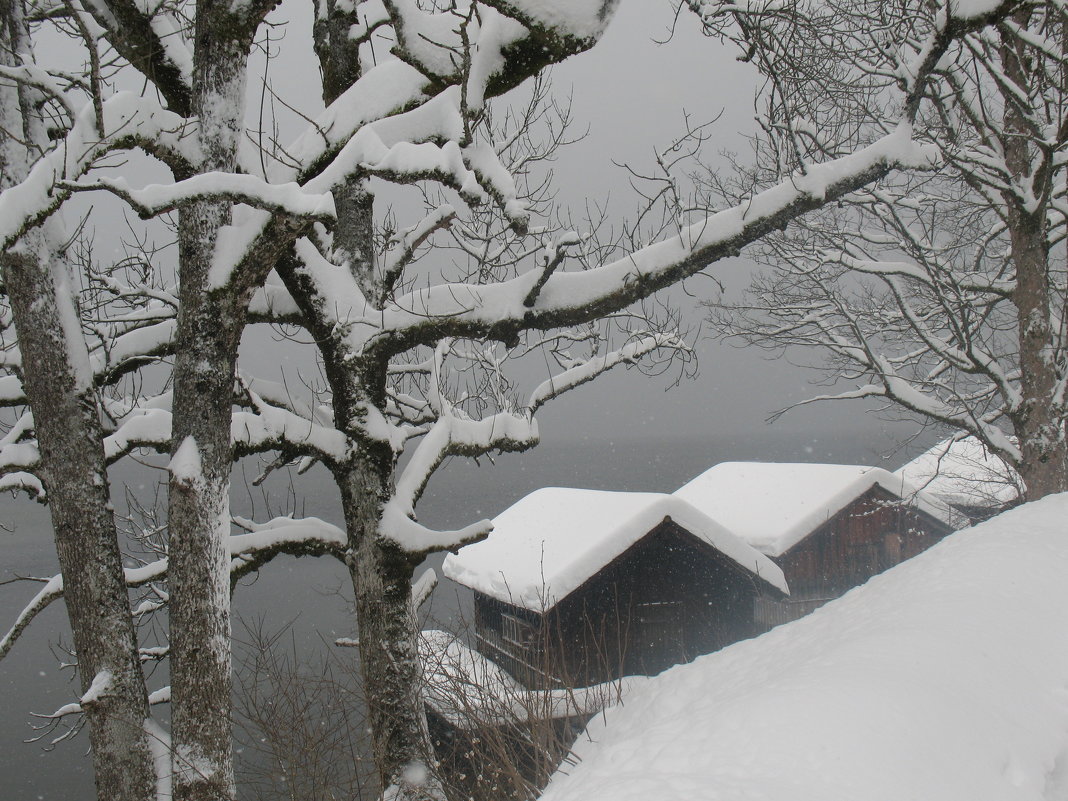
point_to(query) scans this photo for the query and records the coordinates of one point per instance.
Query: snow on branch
(966, 281)
(129, 119)
(148, 41)
(148, 428)
(101, 684)
(395, 122)
(430, 142)
(272, 303)
(579, 22)
(19, 456)
(571, 298)
(893, 387)
(260, 543)
(552, 256)
(51, 591)
(403, 246)
(278, 395)
(21, 481)
(582, 373)
(329, 293)
(451, 435)
(431, 41)
(157, 199)
(269, 425)
(45, 82)
(304, 536)
(411, 537)
(423, 587)
(11, 392)
(272, 422)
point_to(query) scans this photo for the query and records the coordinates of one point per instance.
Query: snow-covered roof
(546, 545)
(921, 684)
(773, 506)
(962, 472)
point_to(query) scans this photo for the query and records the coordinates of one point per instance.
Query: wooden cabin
(829, 527)
(576, 587)
(965, 475)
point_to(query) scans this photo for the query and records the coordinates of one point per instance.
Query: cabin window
(516, 631)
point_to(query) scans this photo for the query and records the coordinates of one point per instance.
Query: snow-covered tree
(415, 352)
(943, 293)
(56, 374)
(409, 118)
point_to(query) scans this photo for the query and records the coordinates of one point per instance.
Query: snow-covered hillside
(944, 679)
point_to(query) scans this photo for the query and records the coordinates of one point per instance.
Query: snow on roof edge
(485, 566)
(852, 481)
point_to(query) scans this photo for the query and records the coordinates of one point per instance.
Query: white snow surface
(578, 18)
(185, 465)
(101, 684)
(964, 473)
(971, 9)
(469, 690)
(546, 545)
(775, 505)
(944, 678)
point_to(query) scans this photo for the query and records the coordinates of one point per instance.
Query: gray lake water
(312, 596)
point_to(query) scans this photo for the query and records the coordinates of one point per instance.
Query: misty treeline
(160, 199)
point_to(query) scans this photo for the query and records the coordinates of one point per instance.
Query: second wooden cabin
(576, 587)
(829, 527)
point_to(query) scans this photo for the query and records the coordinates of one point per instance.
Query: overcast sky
(635, 95)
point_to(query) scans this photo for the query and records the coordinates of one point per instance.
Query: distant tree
(414, 351)
(944, 293)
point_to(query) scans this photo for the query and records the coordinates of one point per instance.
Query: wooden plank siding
(872, 534)
(667, 599)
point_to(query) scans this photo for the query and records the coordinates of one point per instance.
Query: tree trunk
(1039, 423)
(67, 422)
(209, 330)
(1039, 420)
(381, 575)
(63, 398)
(199, 521)
(389, 653)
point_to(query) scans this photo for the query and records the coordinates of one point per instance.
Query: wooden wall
(666, 600)
(872, 534)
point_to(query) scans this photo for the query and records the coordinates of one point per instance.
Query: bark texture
(209, 331)
(389, 657)
(70, 438)
(67, 422)
(1039, 423)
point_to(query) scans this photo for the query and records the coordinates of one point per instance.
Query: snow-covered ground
(944, 679)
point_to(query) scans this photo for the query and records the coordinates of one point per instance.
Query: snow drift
(945, 678)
